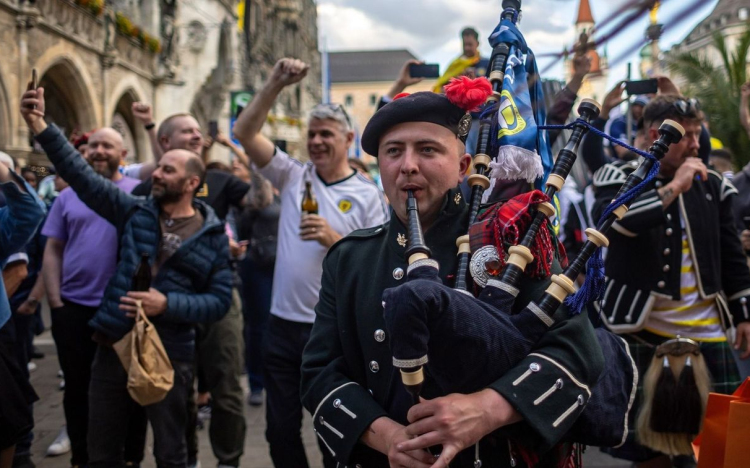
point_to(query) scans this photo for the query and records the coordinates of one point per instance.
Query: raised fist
(142, 112)
(288, 71)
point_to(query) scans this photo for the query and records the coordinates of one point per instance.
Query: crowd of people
(221, 241)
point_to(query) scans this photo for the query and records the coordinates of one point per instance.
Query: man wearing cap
(346, 201)
(360, 409)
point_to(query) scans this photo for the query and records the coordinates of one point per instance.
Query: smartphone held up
(424, 70)
(33, 84)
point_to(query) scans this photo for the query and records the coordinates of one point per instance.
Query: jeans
(257, 282)
(75, 351)
(111, 408)
(282, 356)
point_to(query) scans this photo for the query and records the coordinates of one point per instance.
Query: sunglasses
(339, 109)
(682, 106)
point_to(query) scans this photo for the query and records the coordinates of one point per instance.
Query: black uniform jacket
(348, 379)
(644, 258)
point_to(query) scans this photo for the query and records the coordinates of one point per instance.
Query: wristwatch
(32, 301)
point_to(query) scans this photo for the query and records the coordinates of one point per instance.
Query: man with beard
(191, 284)
(220, 345)
(75, 282)
(346, 201)
(674, 264)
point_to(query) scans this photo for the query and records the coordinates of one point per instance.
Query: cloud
(431, 33)
(347, 28)
(430, 28)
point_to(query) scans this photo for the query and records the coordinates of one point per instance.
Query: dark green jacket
(348, 380)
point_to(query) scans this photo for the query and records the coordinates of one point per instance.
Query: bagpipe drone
(467, 342)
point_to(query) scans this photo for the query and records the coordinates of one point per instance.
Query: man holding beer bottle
(321, 201)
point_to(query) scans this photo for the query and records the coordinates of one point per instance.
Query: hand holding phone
(424, 70)
(33, 84)
(642, 87)
(213, 129)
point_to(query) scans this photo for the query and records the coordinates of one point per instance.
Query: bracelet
(149, 126)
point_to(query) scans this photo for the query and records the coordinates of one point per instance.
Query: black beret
(424, 106)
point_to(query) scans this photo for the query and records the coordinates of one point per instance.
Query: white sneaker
(61, 445)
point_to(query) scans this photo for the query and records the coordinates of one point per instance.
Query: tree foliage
(717, 87)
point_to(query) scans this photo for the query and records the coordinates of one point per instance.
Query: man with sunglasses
(346, 201)
(675, 265)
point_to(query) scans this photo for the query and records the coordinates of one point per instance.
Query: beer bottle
(309, 204)
(142, 276)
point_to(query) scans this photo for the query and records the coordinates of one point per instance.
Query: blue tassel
(593, 288)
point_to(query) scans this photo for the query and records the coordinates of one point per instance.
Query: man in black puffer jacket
(192, 283)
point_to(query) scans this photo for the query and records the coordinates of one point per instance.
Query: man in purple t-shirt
(79, 259)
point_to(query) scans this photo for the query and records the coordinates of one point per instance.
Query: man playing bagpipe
(675, 268)
(359, 405)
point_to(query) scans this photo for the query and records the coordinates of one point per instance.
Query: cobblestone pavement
(49, 418)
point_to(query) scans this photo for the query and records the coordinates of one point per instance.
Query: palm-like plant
(718, 90)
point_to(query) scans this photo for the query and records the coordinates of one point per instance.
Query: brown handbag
(150, 372)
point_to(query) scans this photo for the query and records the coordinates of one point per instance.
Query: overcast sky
(430, 28)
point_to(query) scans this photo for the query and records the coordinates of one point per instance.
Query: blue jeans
(257, 282)
(110, 410)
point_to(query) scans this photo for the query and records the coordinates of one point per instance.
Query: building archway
(66, 99)
(68, 93)
(123, 121)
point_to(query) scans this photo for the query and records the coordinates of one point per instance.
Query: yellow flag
(241, 15)
(454, 69)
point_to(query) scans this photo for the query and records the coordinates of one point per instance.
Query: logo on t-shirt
(345, 205)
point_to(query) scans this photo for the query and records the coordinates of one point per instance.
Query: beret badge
(464, 125)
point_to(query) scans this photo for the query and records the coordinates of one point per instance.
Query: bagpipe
(465, 342)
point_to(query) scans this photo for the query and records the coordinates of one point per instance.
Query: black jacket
(348, 379)
(644, 256)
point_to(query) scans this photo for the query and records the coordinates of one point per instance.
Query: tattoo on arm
(667, 195)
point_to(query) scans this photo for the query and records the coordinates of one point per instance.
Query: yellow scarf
(456, 68)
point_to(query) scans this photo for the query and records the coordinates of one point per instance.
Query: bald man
(75, 284)
(192, 283)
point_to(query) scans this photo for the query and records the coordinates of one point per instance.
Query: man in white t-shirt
(346, 201)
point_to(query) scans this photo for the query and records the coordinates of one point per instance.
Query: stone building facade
(729, 18)
(276, 29)
(95, 58)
